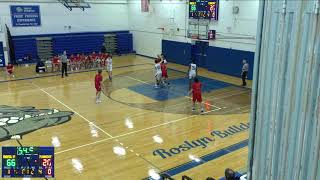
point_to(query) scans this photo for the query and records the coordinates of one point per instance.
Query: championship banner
(145, 5)
(24, 16)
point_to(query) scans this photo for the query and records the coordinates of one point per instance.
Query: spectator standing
(244, 74)
(64, 61)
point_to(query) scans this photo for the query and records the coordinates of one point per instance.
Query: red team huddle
(82, 61)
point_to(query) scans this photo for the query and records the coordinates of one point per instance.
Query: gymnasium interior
(257, 63)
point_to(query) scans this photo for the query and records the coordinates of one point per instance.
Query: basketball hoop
(194, 36)
(77, 2)
(70, 4)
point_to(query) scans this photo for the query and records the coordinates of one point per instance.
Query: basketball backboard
(71, 4)
(198, 29)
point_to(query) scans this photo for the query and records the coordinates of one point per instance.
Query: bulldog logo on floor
(17, 121)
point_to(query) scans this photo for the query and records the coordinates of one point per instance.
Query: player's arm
(191, 90)
(189, 69)
(196, 70)
(155, 70)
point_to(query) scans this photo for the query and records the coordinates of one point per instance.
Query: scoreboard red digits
(46, 162)
(203, 9)
(47, 166)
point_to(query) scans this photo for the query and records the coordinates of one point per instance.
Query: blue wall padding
(198, 53)
(25, 47)
(222, 60)
(229, 61)
(178, 88)
(85, 42)
(125, 42)
(177, 52)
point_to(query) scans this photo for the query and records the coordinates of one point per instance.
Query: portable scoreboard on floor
(28, 162)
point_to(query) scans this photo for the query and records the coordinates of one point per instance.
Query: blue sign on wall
(23, 16)
(2, 60)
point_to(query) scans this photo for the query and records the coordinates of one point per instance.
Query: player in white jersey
(158, 72)
(193, 71)
(109, 66)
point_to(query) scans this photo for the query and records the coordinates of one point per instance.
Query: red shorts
(164, 74)
(10, 71)
(197, 97)
(98, 88)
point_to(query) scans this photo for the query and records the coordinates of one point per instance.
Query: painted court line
(70, 72)
(169, 91)
(240, 108)
(230, 95)
(18, 92)
(137, 115)
(72, 110)
(206, 158)
(76, 112)
(174, 105)
(170, 122)
(137, 80)
(84, 145)
(134, 132)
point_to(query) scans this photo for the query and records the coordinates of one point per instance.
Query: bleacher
(86, 42)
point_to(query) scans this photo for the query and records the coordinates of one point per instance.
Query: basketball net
(170, 28)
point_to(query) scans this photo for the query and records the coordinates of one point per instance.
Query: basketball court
(149, 124)
(137, 132)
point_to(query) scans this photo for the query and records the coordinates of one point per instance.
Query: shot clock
(28, 161)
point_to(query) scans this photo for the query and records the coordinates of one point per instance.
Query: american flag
(145, 5)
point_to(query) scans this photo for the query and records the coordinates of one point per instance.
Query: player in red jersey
(98, 80)
(10, 69)
(164, 70)
(56, 63)
(78, 62)
(196, 94)
(72, 62)
(83, 59)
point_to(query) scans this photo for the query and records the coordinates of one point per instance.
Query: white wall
(3, 39)
(234, 31)
(104, 15)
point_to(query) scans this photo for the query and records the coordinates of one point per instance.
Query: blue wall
(177, 52)
(85, 42)
(221, 60)
(229, 61)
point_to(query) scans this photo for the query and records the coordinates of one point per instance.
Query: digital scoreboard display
(32, 162)
(203, 9)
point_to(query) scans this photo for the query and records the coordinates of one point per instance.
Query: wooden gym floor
(155, 126)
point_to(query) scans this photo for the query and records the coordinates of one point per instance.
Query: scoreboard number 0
(49, 171)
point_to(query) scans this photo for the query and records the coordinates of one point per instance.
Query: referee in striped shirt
(244, 74)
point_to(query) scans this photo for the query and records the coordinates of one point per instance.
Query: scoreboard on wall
(32, 162)
(204, 9)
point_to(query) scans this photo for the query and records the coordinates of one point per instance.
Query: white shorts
(192, 75)
(158, 76)
(109, 68)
